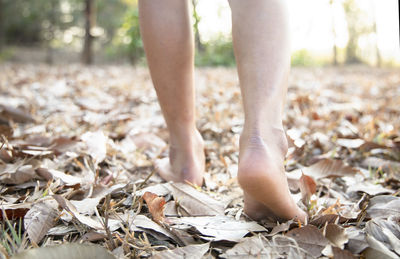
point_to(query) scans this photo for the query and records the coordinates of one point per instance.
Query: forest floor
(78, 146)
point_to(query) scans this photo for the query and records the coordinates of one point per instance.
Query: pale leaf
(66, 251)
(39, 219)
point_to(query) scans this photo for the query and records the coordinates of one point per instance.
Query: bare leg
(261, 44)
(167, 36)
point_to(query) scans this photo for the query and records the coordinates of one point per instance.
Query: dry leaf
(350, 143)
(383, 206)
(342, 254)
(307, 187)
(143, 223)
(14, 211)
(15, 114)
(218, 227)
(309, 238)
(68, 206)
(368, 187)
(329, 168)
(190, 251)
(16, 173)
(156, 206)
(39, 219)
(66, 251)
(378, 229)
(336, 235)
(385, 165)
(357, 241)
(96, 145)
(250, 247)
(195, 203)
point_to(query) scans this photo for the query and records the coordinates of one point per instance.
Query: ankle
(185, 137)
(268, 137)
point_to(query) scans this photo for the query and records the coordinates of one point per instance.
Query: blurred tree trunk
(351, 10)
(2, 34)
(49, 39)
(335, 62)
(87, 53)
(199, 45)
(377, 52)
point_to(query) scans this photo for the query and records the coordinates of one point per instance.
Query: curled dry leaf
(142, 223)
(156, 206)
(307, 187)
(336, 235)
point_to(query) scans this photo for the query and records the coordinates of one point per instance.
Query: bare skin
(166, 32)
(261, 44)
(263, 60)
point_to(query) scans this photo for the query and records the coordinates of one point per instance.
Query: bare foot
(261, 175)
(186, 160)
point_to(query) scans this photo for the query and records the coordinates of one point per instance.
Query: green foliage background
(48, 23)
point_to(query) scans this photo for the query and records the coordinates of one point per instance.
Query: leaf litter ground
(78, 146)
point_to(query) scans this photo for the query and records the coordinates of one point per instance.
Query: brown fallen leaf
(357, 241)
(383, 206)
(336, 235)
(309, 238)
(156, 206)
(141, 223)
(39, 219)
(68, 206)
(307, 187)
(196, 203)
(190, 251)
(250, 247)
(217, 228)
(385, 165)
(377, 249)
(6, 130)
(16, 173)
(368, 187)
(342, 254)
(329, 168)
(384, 232)
(15, 114)
(14, 211)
